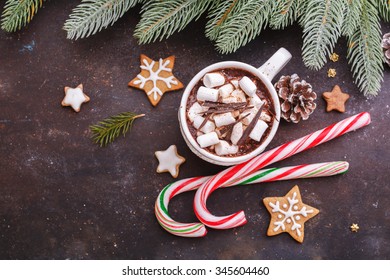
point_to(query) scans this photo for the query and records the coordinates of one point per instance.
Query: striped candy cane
(233, 174)
(266, 175)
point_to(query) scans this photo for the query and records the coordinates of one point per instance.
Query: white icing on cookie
(74, 97)
(154, 77)
(290, 215)
(169, 161)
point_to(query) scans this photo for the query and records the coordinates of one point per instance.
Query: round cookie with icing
(289, 214)
(156, 78)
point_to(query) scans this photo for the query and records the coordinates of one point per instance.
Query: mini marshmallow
(248, 86)
(207, 127)
(208, 139)
(265, 117)
(240, 95)
(258, 130)
(256, 101)
(194, 110)
(224, 119)
(223, 148)
(226, 90)
(207, 94)
(237, 132)
(198, 120)
(230, 99)
(247, 120)
(234, 83)
(211, 80)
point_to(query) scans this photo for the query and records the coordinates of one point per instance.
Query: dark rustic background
(63, 197)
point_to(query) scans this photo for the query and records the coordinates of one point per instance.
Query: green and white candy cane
(265, 175)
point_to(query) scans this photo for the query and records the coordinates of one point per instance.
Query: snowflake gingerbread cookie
(289, 214)
(156, 78)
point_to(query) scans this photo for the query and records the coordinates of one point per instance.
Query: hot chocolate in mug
(205, 119)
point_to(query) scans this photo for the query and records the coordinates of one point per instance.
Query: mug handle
(276, 63)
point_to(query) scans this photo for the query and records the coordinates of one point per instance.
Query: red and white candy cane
(233, 174)
(265, 175)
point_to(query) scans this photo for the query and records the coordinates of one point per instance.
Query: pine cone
(386, 47)
(297, 98)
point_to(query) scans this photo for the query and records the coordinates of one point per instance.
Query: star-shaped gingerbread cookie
(289, 214)
(169, 161)
(156, 78)
(74, 97)
(335, 99)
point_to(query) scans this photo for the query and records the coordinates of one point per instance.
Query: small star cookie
(289, 214)
(156, 78)
(335, 99)
(74, 97)
(354, 228)
(169, 161)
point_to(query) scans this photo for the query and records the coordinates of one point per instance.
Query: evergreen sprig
(384, 9)
(284, 13)
(160, 19)
(109, 129)
(352, 17)
(91, 16)
(18, 13)
(218, 13)
(322, 28)
(365, 52)
(245, 22)
(233, 23)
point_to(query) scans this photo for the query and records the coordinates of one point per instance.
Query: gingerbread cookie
(74, 97)
(169, 161)
(289, 214)
(335, 99)
(156, 78)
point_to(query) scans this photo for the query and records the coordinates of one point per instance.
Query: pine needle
(384, 9)
(322, 28)
(284, 13)
(108, 130)
(91, 16)
(352, 17)
(160, 19)
(218, 14)
(245, 22)
(365, 52)
(18, 13)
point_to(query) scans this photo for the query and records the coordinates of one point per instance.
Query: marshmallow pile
(228, 112)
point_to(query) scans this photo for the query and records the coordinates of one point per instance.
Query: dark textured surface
(61, 196)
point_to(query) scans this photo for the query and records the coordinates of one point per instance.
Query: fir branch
(322, 27)
(218, 14)
(245, 22)
(384, 9)
(284, 13)
(352, 17)
(91, 16)
(365, 52)
(109, 129)
(160, 19)
(18, 13)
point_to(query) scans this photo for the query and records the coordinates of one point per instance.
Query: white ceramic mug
(265, 73)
